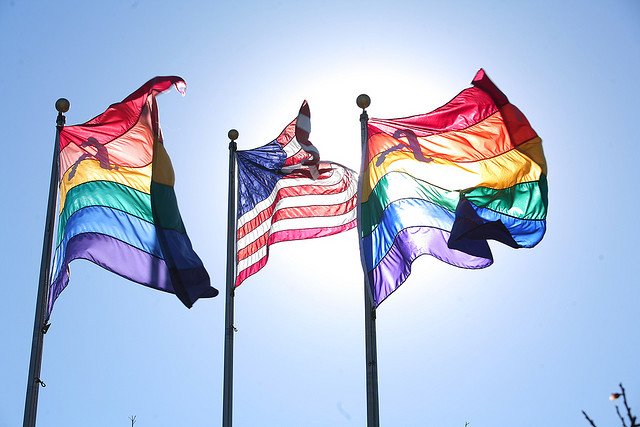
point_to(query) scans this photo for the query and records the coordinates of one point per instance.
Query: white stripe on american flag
(346, 197)
(295, 224)
(289, 235)
(306, 200)
(292, 148)
(316, 220)
(336, 177)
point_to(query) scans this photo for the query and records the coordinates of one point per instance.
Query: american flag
(286, 193)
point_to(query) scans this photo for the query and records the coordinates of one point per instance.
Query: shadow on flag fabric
(444, 182)
(285, 192)
(118, 208)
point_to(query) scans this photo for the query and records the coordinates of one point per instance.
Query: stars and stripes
(286, 193)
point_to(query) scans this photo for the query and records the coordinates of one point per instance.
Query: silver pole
(373, 411)
(229, 329)
(40, 325)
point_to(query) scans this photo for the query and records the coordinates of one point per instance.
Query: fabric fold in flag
(285, 192)
(118, 207)
(445, 182)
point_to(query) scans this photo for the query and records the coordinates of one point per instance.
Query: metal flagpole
(39, 323)
(229, 329)
(373, 412)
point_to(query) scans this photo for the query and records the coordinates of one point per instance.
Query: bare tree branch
(589, 419)
(620, 416)
(614, 396)
(632, 418)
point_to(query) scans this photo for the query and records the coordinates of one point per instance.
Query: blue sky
(530, 341)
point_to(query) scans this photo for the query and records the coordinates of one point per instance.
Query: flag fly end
(181, 87)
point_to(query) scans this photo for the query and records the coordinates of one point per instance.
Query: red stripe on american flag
(309, 233)
(288, 235)
(297, 158)
(295, 191)
(295, 213)
(268, 239)
(298, 213)
(253, 247)
(251, 270)
(287, 134)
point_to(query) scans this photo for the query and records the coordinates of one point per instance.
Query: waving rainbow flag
(118, 208)
(444, 182)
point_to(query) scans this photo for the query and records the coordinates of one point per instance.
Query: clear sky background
(531, 341)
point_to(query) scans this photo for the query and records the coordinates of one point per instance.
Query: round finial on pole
(363, 101)
(233, 134)
(62, 105)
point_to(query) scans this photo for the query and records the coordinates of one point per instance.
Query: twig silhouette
(632, 418)
(614, 396)
(589, 419)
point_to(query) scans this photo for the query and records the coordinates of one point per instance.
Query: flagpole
(229, 329)
(373, 412)
(39, 323)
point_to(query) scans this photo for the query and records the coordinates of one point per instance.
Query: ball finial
(62, 105)
(363, 101)
(233, 134)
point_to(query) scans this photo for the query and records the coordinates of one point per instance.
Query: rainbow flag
(118, 207)
(286, 193)
(444, 182)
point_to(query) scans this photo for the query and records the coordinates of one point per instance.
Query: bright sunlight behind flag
(118, 207)
(444, 182)
(286, 193)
